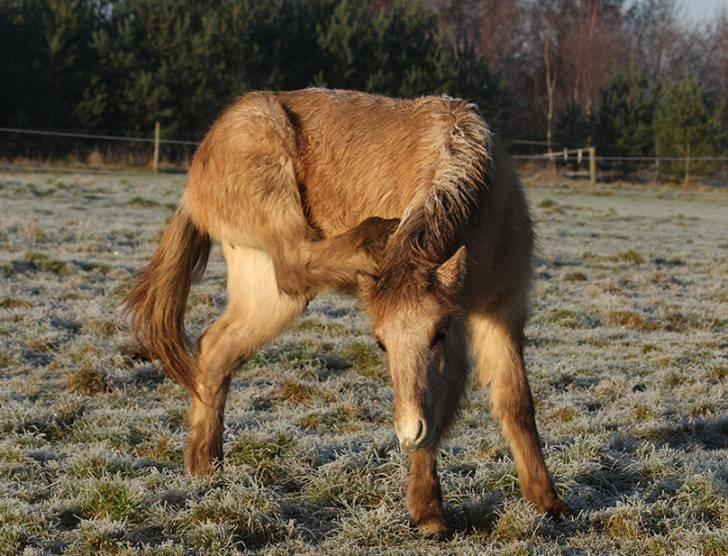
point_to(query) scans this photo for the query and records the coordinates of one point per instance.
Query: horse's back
(365, 155)
(334, 157)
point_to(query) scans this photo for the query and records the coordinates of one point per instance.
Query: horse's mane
(431, 227)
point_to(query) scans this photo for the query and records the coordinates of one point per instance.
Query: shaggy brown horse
(412, 205)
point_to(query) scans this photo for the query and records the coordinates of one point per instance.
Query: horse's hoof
(434, 529)
(199, 465)
(558, 511)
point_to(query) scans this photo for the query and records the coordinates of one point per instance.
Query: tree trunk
(550, 87)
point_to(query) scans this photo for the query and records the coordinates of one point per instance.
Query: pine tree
(120, 66)
(687, 125)
(573, 128)
(474, 81)
(624, 125)
(398, 50)
(44, 56)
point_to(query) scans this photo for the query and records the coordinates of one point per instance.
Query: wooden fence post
(593, 165)
(155, 163)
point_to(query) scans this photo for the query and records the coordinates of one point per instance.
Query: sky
(702, 11)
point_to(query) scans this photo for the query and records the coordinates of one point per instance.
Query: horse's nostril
(414, 438)
(421, 432)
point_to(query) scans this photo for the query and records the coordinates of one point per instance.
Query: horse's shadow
(617, 479)
(708, 434)
(604, 487)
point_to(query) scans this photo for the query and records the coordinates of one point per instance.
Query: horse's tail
(158, 301)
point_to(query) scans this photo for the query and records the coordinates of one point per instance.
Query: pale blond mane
(431, 229)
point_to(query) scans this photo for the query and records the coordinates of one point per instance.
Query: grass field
(627, 355)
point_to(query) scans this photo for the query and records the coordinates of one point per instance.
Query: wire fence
(586, 163)
(77, 151)
(97, 137)
(40, 150)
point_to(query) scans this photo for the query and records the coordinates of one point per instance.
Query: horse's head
(415, 321)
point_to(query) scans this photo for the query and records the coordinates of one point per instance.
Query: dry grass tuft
(364, 359)
(88, 380)
(12, 303)
(263, 455)
(111, 499)
(630, 319)
(631, 256)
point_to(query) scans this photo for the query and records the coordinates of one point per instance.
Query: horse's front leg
(498, 351)
(424, 498)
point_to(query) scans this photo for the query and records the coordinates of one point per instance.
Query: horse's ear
(451, 273)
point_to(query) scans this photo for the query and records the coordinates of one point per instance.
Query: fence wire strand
(569, 155)
(92, 136)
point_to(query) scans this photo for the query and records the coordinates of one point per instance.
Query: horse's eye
(437, 338)
(381, 345)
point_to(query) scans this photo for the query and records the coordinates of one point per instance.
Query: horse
(410, 204)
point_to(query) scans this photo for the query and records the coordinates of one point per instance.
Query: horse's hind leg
(256, 313)
(305, 267)
(497, 344)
